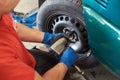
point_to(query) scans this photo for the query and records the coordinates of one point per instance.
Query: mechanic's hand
(49, 38)
(69, 57)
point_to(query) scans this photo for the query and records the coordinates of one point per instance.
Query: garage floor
(26, 6)
(96, 73)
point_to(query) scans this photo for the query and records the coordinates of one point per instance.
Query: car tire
(47, 21)
(54, 7)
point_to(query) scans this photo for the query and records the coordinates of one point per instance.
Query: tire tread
(78, 2)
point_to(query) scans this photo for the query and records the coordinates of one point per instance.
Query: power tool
(62, 42)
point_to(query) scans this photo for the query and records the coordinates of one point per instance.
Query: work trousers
(44, 60)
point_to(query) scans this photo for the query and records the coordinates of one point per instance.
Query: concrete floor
(30, 45)
(26, 6)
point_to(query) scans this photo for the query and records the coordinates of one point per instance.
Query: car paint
(103, 28)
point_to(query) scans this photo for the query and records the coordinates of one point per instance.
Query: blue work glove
(49, 38)
(69, 57)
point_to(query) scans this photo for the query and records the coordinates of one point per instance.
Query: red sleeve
(13, 62)
(12, 68)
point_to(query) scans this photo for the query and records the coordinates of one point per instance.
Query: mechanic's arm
(28, 34)
(32, 35)
(56, 73)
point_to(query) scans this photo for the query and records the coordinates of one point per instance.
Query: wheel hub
(64, 23)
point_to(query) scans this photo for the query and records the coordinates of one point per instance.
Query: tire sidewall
(52, 7)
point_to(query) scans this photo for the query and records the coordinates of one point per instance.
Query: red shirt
(16, 63)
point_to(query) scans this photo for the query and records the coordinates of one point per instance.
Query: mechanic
(16, 63)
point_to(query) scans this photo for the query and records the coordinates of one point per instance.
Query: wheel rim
(57, 23)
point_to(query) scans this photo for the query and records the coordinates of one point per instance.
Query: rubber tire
(50, 7)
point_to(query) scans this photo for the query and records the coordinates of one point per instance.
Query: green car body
(103, 26)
